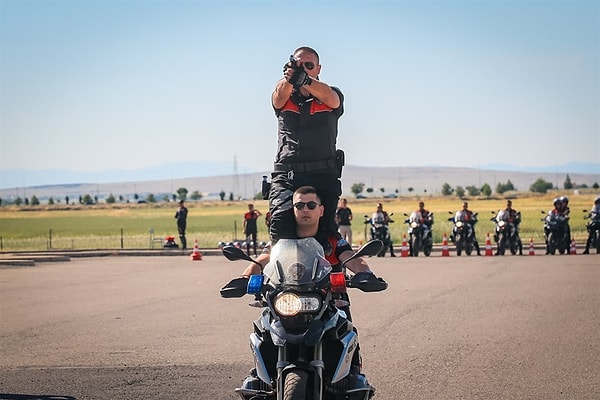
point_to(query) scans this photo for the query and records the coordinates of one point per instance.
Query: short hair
(307, 190)
(307, 49)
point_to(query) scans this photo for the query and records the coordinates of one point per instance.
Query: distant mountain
(570, 168)
(34, 178)
(387, 180)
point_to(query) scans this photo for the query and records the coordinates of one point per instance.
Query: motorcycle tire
(551, 245)
(459, 245)
(415, 247)
(597, 242)
(427, 250)
(501, 244)
(469, 249)
(295, 386)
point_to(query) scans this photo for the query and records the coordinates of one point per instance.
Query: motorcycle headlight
(413, 225)
(459, 224)
(289, 304)
(501, 224)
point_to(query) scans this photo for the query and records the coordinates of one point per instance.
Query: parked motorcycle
(303, 343)
(506, 233)
(593, 228)
(380, 231)
(420, 235)
(556, 233)
(463, 235)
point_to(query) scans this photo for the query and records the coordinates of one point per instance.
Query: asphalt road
(447, 328)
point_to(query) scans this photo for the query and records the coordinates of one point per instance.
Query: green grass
(99, 227)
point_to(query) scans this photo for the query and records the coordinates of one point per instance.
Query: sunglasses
(311, 205)
(309, 65)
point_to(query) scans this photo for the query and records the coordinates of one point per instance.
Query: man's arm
(323, 92)
(283, 91)
(253, 268)
(357, 265)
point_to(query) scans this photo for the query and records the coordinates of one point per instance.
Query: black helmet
(597, 200)
(556, 201)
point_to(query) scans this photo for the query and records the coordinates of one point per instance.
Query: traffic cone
(196, 255)
(573, 247)
(445, 251)
(488, 245)
(404, 248)
(531, 248)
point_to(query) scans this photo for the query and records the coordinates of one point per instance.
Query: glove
(299, 77)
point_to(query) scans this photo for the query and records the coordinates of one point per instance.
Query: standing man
(307, 112)
(181, 217)
(343, 217)
(250, 227)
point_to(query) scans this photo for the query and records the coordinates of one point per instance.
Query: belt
(305, 167)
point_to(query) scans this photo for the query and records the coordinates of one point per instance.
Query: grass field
(128, 225)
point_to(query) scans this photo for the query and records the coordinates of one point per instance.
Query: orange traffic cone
(445, 251)
(573, 249)
(488, 245)
(531, 248)
(404, 248)
(196, 255)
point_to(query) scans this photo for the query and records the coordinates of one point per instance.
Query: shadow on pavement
(7, 396)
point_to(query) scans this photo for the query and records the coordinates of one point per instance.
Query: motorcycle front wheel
(296, 383)
(415, 247)
(501, 244)
(459, 245)
(551, 245)
(597, 242)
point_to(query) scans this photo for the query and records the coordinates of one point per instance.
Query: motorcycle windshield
(297, 262)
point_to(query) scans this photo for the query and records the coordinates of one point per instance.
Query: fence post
(121, 238)
(50, 239)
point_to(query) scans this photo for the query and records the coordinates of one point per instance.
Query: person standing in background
(181, 217)
(343, 218)
(250, 227)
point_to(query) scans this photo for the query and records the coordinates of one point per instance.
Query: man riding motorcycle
(512, 218)
(468, 217)
(593, 225)
(307, 211)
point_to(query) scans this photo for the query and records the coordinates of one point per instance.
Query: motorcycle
(506, 234)
(556, 233)
(593, 228)
(463, 235)
(421, 237)
(303, 342)
(380, 231)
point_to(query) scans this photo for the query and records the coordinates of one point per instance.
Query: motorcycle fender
(349, 344)
(259, 362)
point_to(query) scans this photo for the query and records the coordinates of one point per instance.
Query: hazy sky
(95, 85)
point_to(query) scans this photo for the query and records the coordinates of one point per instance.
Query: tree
(182, 193)
(410, 189)
(369, 190)
(110, 199)
(150, 198)
(196, 195)
(595, 185)
(447, 189)
(502, 188)
(222, 195)
(231, 196)
(486, 189)
(87, 200)
(357, 188)
(568, 184)
(35, 201)
(472, 190)
(67, 200)
(540, 186)
(18, 201)
(382, 190)
(460, 191)
(51, 201)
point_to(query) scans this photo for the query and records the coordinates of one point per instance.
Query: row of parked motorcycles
(506, 234)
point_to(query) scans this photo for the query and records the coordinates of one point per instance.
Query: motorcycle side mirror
(233, 253)
(371, 248)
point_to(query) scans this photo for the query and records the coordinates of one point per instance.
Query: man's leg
(283, 223)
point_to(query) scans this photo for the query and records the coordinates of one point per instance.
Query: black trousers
(283, 185)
